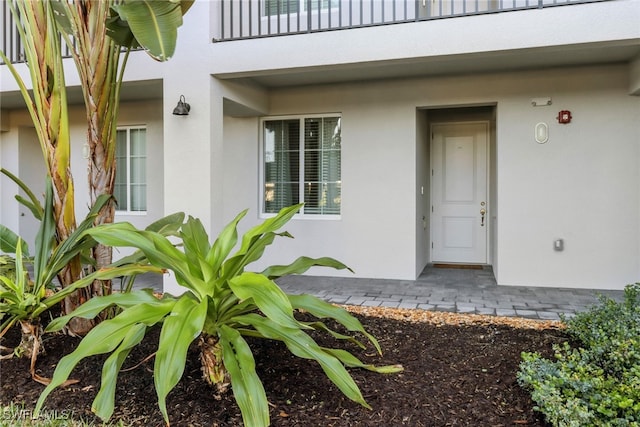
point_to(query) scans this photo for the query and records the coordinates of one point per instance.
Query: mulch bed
(459, 370)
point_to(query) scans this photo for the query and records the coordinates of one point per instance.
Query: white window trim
(261, 171)
(131, 213)
(127, 212)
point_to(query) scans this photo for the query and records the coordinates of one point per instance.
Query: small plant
(221, 305)
(24, 298)
(8, 264)
(598, 383)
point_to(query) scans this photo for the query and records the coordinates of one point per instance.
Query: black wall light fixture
(182, 109)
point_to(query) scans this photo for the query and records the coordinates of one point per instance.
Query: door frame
(486, 179)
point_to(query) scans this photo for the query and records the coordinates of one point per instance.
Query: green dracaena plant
(223, 303)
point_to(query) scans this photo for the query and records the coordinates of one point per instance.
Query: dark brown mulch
(458, 372)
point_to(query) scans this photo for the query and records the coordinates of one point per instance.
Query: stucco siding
(581, 186)
(23, 157)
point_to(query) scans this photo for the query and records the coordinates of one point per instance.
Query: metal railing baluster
(263, 18)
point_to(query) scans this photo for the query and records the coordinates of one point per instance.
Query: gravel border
(441, 318)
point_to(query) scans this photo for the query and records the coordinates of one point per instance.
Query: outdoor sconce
(182, 109)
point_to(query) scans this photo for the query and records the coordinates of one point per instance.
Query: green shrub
(222, 304)
(598, 383)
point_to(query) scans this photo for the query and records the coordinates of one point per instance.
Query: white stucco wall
(375, 215)
(582, 186)
(9, 215)
(553, 29)
(22, 156)
(149, 115)
(190, 143)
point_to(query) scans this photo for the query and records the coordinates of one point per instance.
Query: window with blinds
(291, 7)
(130, 188)
(281, 7)
(301, 163)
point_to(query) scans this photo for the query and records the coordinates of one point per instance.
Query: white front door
(459, 211)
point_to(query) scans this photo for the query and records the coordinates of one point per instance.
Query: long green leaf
(37, 214)
(106, 273)
(353, 362)
(195, 238)
(319, 326)
(168, 225)
(96, 305)
(61, 13)
(104, 402)
(10, 290)
(268, 226)
(104, 338)
(267, 296)
(302, 345)
(301, 265)
(181, 327)
(322, 309)
(196, 246)
(154, 25)
(9, 241)
(245, 383)
(157, 248)
(76, 243)
(225, 242)
(45, 237)
(235, 265)
(33, 204)
(21, 274)
(256, 240)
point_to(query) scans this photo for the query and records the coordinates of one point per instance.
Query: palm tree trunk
(102, 171)
(77, 326)
(96, 57)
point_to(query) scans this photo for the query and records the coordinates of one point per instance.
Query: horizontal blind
(322, 184)
(302, 163)
(281, 164)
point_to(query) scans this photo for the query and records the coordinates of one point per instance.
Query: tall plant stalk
(95, 32)
(100, 68)
(48, 109)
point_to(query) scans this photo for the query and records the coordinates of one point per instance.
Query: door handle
(482, 212)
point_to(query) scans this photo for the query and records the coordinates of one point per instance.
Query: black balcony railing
(243, 19)
(10, 42)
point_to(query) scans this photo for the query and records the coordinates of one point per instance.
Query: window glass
(302, 166)
(321, 4)
(122, 176)
(281, 164)
(322, 165)
(130, 187)
(290, 7)
(280, 7)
